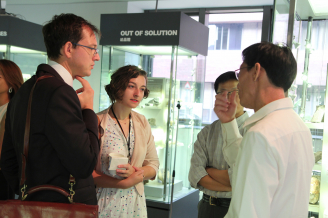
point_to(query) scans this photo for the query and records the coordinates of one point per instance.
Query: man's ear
(67, 49)
(256, 74)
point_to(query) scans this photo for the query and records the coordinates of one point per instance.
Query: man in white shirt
(272, 173)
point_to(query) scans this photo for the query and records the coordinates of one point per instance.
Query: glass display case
(26, 59)
(309, 90)
(280, 21)
(19, 45)
(176, 73)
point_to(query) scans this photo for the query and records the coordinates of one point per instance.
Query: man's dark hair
(120, 80)
(224, 77)
(64, 28)
(278, 62)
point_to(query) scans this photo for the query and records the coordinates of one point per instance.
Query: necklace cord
(127, 139)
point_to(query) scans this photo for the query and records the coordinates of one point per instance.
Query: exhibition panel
(22, 42)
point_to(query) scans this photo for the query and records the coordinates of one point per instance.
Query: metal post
(291, 20)
(202, 14)
(175, 155)
(156, 5)
(266, 24)
(324, 165)
(173, 53)
(306, 65)
(7, 54)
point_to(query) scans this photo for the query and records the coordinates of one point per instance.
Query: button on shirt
(208, 153)
(272, 174)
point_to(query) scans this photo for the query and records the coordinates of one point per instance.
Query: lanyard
(127, 139)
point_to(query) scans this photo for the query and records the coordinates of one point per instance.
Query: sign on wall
(161, 28)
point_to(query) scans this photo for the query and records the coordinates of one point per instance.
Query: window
(226, 36)
(229, 34)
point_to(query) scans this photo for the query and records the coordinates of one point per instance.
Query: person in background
(209, 170)
(121, 194)
(64, 127)
(11, 79)
(272, 174)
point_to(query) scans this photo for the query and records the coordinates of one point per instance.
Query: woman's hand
(129, 170)
(134, 178)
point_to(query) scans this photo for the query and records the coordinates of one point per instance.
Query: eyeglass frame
(96, 49)
(229, 93)
(237, 72)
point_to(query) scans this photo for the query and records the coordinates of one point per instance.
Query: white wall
(42, 13)
(134, 8)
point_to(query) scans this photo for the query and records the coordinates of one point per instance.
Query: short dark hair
(278, 62)
(224, 77)
(64, 28)
(12, 75)
(120, 80)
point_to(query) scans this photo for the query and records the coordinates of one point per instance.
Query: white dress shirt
(67, 77)
(272, 174)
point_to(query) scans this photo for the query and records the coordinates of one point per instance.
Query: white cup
(114, 161)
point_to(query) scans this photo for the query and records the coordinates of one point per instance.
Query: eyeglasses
(229, 93)
(96, 49)
(238, 71)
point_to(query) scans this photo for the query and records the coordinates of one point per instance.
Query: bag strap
(25, 155)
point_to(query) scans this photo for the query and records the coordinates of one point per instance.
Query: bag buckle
(23, 190)
(72, 192)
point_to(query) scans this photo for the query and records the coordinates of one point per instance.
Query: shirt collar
(65, 75)
(281, 104)
(241, 119)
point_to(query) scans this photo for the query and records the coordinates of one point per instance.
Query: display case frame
(171, 47)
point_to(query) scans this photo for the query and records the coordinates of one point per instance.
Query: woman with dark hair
(10, 80)
(126, 133)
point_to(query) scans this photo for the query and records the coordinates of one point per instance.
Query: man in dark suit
(64, 127)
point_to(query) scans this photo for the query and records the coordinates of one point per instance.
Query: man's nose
(96, 57)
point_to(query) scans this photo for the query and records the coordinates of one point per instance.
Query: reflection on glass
(280, 25)
(229, 35)
(316, 77)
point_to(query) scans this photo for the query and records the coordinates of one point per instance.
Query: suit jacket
(144, 153)
(63, 139)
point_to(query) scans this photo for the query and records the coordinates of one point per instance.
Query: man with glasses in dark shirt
(64, 127)
(209, 169)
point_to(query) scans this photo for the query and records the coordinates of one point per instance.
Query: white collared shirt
(65, 75)
(272, 174)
